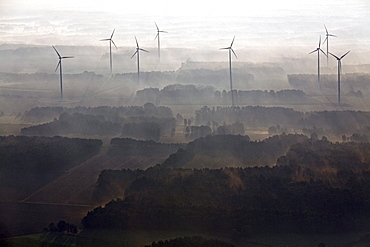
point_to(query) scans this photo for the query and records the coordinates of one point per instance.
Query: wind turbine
(327, 44)
(60, 71)
(318, 49)
(138, 49)
(157, 36)
(230, 48)
(110, 48)
(339, 71)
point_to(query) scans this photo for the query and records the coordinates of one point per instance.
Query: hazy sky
(191, 23)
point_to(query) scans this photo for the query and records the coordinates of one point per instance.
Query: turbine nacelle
(327, 35)
(110, 39)
(138, 48)
(230, 48)
(318, 49)
(339, 58)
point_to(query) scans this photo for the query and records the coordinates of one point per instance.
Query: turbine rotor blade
(234, 53)
(137, 44)
(156, 26)
(326, 29)
(326, 39)
(163, 31)
(313, 51)
(143, 50)
(56, 51)
(334, 56)
(134, 54)
(67, 57)
(226, 48)
(156, 36)
(105, 39)
(57, 66)
(232, 42)
(320, 42)
(323, 52)
(344, 55)
(332, 35)
(112, 33)
(114, 43)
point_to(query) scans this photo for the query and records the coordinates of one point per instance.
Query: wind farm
(175, 144)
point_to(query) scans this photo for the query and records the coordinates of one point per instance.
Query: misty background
(272, 41)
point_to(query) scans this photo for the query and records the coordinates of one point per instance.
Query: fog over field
(180, 141)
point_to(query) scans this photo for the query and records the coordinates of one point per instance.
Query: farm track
(76, 187)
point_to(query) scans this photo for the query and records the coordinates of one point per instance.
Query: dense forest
(148, 122)
(339, 122)
(216, 151)
(113, 114)
(27, 163)
(190, 94)
(318, 187)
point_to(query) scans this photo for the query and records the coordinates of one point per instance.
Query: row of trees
(190, 241)
(178, 93)
(232, 150)
(112, 114)
(141, 127)
(335, 121)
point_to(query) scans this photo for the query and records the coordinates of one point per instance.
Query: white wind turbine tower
(318, 49)
(138, 49)
(327, 44)
(157, 37)
(230, 48)
(339, 71)
(60, 71)
(110, 49)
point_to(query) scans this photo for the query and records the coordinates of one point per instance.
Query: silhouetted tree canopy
(318, 187)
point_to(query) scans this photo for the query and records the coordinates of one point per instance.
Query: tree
(272, 130)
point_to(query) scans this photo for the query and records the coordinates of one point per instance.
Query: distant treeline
(148, 122)
(318, 187)
(219, 151)
(27, 163)
(192, 94)
(190, 241)
(259, 116)
(40, 77)
(113, 114)
(131, 147)
(350, 82)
